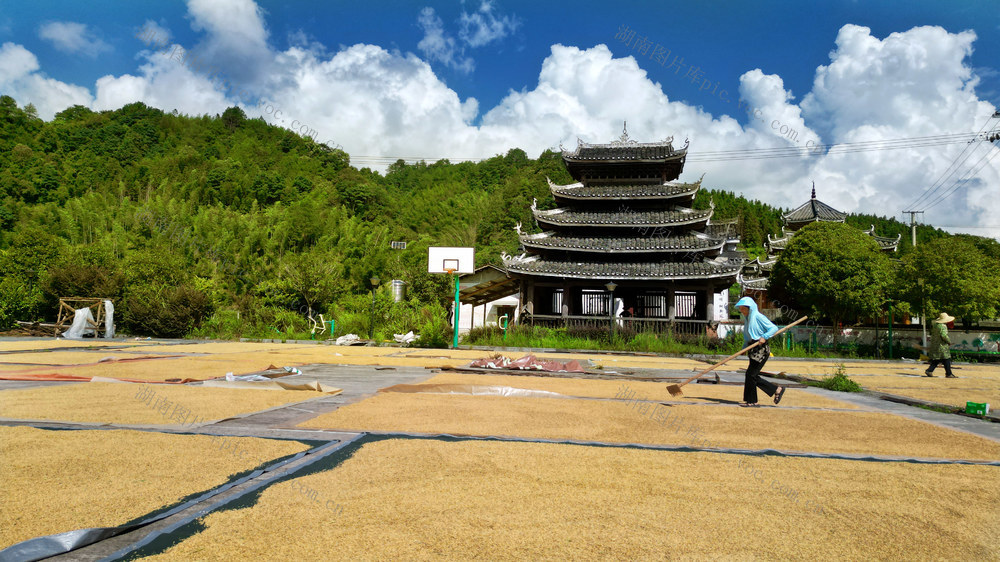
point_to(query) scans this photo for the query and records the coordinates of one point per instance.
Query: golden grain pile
(162, 369)
(422, 500)
(617, 421)
(53, 343)
(70, 357)
(976, 382)
(599, 388)
(58, 481)
(140, 404)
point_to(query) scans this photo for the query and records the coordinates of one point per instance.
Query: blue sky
(472, 79)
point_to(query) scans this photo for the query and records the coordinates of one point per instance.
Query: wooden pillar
(672, 310)
(529, 296)
(709, 303)
(567, 299)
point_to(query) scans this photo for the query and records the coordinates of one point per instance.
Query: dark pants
(758, 356)
(945, 362)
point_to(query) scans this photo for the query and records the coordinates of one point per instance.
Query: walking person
(756, 326)
(940, 348)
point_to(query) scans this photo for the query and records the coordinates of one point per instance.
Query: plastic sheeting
(349, 339)
(273, 385)
(81, 325)
(51, 545)
(158, 541)
(109, 320)
(528, 363)
(473, 390)
(407, 338)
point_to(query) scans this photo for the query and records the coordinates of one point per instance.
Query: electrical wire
(952, 168)
(962, 181)
(743, 154)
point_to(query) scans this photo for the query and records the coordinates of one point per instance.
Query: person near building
(757, 327)
(940, 347)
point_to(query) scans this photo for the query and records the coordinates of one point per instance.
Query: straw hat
(944, 318)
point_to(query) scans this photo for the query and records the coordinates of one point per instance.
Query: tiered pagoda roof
(625, 160)
(651, 271)
(809, 212)
(624, 219)
(625, 192)
(812, 211)
(685, 243)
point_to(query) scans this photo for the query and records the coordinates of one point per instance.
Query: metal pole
(923, 321)
(458, 307)
(371, 330)
(890, 330)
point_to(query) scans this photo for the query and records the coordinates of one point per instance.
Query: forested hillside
(249, 226)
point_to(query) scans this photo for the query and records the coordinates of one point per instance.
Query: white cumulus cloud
(21, 79)
(73, 38)
(483, 27)
(437, 45)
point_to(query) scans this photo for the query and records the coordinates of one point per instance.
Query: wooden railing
(656, 325)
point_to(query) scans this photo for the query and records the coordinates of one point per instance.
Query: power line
(962, 181)
(953, 167)
(743, 154)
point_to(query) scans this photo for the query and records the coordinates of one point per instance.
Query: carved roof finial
(814, 190)
(518, 228)
(534, 203)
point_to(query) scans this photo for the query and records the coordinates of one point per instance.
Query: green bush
(18, 301)
(839, 382)
(165, 312)
(435, 330)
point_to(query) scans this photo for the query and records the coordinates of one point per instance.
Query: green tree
(832, 270)
(312, 276)
(959, 278)
(233, 117)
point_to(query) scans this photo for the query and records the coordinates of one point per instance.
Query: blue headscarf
(756, 325)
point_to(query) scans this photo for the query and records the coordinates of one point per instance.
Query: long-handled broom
(675, 389)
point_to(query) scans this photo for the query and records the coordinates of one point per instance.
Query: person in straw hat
(940, 348)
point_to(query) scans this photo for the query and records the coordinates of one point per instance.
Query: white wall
(469, 318)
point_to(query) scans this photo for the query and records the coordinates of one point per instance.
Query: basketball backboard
(442, 258)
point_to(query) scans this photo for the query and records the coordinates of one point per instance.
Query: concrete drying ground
(362, 371)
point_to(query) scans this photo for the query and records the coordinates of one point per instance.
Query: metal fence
(655, 325)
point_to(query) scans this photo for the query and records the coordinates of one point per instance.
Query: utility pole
(913, 225)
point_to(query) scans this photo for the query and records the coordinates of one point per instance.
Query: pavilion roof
(624, 218)
(813, 210)
(649, 244)
(667, 190)
(625, 149)
(649, 271)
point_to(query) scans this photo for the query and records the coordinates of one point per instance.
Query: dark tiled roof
(687, 242)
(777, 243)
(755, 284)
(724, 229)
(647, 151)
(814, 210)
(654, 191)
(623, 271)
(626, 149)
(624, 218)
(885, 243)
(888, 243)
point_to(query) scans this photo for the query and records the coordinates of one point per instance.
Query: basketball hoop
(453, 261)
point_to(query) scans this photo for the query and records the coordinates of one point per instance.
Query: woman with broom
(756, 326)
